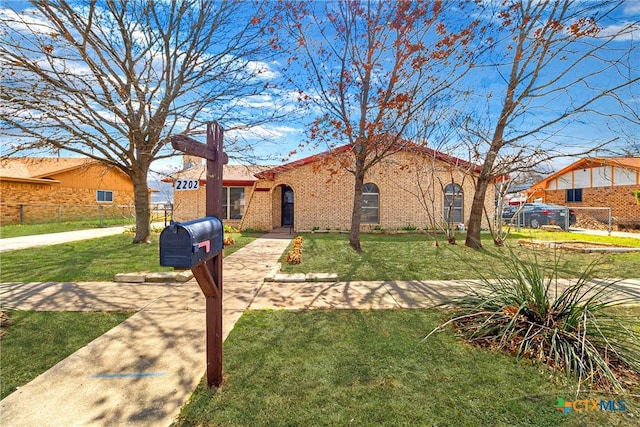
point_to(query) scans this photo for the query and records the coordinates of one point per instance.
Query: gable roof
(407, 147)
(590, 162)
(40, 169)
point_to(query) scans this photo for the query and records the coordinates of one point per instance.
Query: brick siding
(76, 188)
(621, 200)
(323, 197)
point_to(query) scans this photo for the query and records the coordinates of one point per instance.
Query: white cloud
(622, 32)
(632, 7)
(27, 20)
(261, 70)
(265, 131)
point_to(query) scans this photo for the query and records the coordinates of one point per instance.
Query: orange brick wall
(621, 200)
(75, 189)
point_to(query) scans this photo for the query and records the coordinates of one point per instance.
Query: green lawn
(91, 260)
(35, 341)
(372, 368)
(556, 236)
(17, 230)
(414, 257)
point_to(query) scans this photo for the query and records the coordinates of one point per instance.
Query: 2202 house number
(186, 184)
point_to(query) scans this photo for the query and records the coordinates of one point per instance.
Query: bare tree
(556, 64)
(440, 182)
(114, 79)
(441, 175)
(368, 68)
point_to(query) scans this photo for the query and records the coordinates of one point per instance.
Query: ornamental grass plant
(577, 326)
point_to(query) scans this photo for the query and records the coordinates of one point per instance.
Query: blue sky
(586, 130)
(287, 135)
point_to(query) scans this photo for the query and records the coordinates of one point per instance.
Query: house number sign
(186, 184)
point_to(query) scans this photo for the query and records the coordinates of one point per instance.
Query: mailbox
(187, 244)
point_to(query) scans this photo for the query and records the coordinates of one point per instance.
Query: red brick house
(412, 188)
(612, 182)
(31, 188)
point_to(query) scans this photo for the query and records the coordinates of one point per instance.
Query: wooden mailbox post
(209, 273)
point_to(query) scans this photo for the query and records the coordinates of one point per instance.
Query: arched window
(370, 204)
(453, 204)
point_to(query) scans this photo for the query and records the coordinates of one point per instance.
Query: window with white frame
(233, 202)
(370, 204)
(453, 204)
(104, 196)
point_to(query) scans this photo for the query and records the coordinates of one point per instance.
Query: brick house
(238, 187)
(31, 188)
(415, 187)
(596, 182)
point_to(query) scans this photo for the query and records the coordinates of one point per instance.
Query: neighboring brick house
(30, 187)
(596, 182)
(411, 188)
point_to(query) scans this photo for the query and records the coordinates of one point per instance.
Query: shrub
(254, 230)
(230, 229)
(569, 326)
(408, 227)
(295, 255)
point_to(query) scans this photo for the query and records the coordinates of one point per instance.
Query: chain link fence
(593, 218)
(25, 214)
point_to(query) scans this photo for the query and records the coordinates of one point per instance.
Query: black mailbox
(187, 244)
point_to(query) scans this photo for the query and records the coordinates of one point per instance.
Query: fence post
(21, 214)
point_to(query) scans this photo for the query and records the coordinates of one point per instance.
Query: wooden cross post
(209, 273)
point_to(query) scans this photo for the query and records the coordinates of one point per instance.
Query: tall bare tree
(557, 62)
(368, 67)
(114, 79)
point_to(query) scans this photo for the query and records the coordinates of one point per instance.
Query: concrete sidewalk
(143, 371)
(391, 294)
(34, 241)
(23, 242)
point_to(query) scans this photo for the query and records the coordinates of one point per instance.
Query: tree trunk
(143, 212)
(356, 214)
(486, 173)
(484, 179)
(475, 218)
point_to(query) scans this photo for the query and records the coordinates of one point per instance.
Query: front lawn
(19, 230)
(34, 341)
(372, 368)
(92, 260)
(414, 257)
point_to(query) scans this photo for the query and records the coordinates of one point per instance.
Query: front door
(287, 206)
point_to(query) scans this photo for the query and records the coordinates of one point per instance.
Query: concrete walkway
(143, 371)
